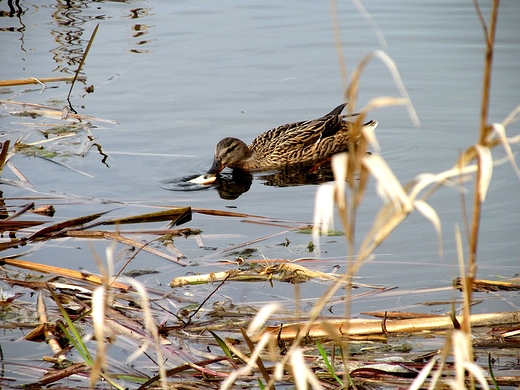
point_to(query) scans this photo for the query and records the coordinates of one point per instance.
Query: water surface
(178, 77)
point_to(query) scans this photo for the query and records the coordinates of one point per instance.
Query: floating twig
(39, 80)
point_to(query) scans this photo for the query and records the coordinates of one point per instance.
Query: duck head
(229, 152)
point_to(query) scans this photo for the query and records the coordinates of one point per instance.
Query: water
(178, 77)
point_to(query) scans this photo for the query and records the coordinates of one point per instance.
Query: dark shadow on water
(231, 185)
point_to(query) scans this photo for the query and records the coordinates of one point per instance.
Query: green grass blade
(327, 363)
(222, 345)
(490, 366)
(72, 339)
(74, 336)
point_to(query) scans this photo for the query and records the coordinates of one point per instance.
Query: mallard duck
(293, 143)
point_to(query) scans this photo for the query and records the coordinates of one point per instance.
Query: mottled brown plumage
(293, 143)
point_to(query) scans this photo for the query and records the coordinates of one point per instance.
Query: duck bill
(215, 169)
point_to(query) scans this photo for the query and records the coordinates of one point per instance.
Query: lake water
(179, 76)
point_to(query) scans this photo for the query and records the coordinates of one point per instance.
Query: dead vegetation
(193, 342)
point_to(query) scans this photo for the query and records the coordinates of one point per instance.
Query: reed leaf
(222, 344)
(485, 171)
(83, 58)
(74, 336)
(325, 358)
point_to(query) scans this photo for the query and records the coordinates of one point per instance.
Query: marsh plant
(352, 171)
(121, 314)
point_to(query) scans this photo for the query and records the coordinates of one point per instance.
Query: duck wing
(295, 141)
(304, 132)
(267, 143)
(338, 110)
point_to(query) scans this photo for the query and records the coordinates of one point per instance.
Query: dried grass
(271, 355)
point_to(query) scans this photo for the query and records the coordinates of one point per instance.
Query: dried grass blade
(127, 327)
(390, 64)
(54, 112)
(482, 285)
(173, 249)
(26, 284)
(183, 232)
(388, 187)
(38, 333)
(384, 101)
(399, 315)
(486, 170)
(176, 215)
(222, 213)
(259, 362)
(339, 165)
(501, 131)
(323, 211)
(244, 244)
(58, 271)
(302, 374)
(246, 370)
(51, 338)
(98, 319)
(429, 212)
(339, 168)
(386, 221)
(66, 166)
(3, 155)
(28, 206)
(18, 225)
(151, 328)
(51, 140)
(24, 182)
(55, 376)
(83, 57)
(32, 80)
(370, 20)
(56, 229)
(137, 244)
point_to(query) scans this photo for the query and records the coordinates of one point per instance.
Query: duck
(292, 143)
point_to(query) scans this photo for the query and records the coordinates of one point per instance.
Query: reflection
(139, 13)
(70, 19)
(231, 186)
(295, 175)
(15, 9)
(139, 29)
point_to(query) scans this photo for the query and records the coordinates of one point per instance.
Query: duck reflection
(232, 185)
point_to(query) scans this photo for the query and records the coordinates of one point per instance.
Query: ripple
(183, 184)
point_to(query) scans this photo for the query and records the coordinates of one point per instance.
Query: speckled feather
(291, 143)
